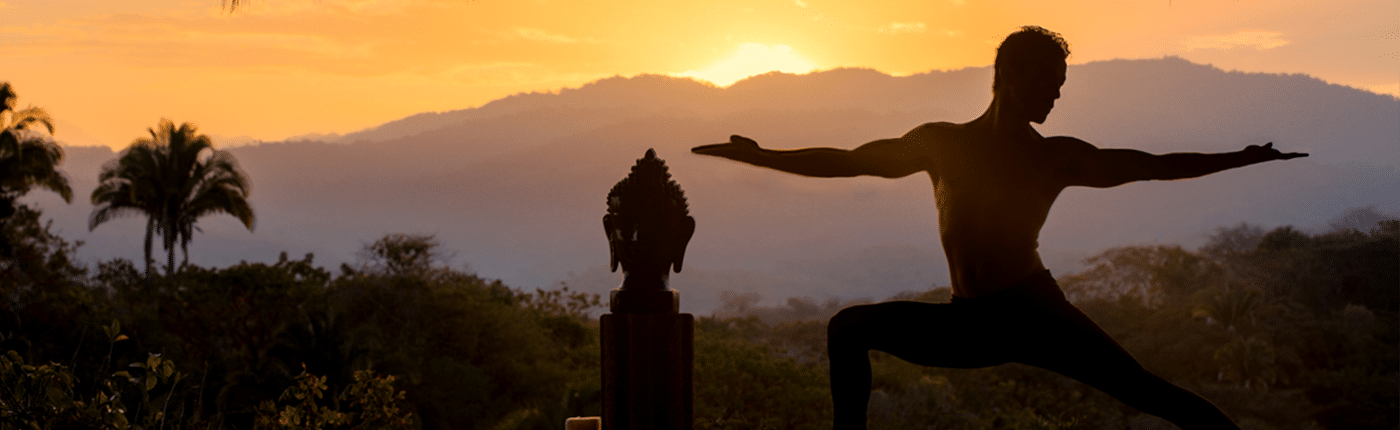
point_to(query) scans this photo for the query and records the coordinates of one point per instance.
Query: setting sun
(752, 59)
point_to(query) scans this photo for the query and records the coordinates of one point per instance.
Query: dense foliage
(1282, 329)
(397, 341)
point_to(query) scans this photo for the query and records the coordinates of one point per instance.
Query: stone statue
(648, 354)
(648, 227)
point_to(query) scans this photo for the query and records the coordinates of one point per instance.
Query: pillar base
(648, 359)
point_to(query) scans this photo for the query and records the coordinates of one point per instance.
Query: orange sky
(107, 70)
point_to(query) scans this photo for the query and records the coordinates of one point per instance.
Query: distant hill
(516, 187)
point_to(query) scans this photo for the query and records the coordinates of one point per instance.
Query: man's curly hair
(1027, 46)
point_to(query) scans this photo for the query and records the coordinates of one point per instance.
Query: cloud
(323, 46)
(375, 6)
(199, 47)
(291, 8)
(800, 3)
(21, 41)
(182, 42)
(538, 35)
(1246, 39)
(903, 27)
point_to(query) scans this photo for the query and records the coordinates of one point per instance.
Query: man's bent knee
(847, 325)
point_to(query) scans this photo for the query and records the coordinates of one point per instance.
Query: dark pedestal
(647, 364)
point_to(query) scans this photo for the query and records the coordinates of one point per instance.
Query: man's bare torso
(993, 196)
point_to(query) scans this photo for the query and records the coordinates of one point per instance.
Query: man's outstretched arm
(1112, 167)
(889, 158)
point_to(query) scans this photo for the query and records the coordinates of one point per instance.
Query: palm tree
(169, 178)
(213, 185)
(129, 185)
(27, 158)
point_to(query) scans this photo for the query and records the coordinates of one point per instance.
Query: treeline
(395, 341)
(1282, 329)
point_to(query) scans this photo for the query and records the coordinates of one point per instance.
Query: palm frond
(23, 118)
(7, 97)
(108, 213)
(29, 160)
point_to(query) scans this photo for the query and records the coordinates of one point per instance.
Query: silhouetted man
(994, 179)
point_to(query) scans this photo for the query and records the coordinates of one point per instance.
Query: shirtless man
(994, 179)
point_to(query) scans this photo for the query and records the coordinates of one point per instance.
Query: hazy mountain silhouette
(516, 187)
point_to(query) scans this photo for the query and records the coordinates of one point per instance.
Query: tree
(127, 186)
(27, 158)
(1159, 275)
(471, 352)
(169, 178)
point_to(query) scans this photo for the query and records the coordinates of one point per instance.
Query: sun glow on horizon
(752, 59)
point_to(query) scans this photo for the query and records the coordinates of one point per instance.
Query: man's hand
(1259, 154)
(738, 148)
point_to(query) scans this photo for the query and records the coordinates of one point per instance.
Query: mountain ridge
(749, 92)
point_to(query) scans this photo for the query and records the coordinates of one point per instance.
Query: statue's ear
(612, 244)
(684, 231)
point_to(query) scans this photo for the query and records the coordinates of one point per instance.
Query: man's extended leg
(1069, 343)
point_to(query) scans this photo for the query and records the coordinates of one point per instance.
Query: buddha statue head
(648, 225)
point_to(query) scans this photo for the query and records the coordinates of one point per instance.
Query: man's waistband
(1038, 287)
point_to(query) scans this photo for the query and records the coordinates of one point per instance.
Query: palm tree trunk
(170, 257)
(150, 232)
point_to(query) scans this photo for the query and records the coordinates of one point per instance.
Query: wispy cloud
(375, 6)
(800, 3)
(145, 41)
(903, 27)
(1243, 39)
(307, 43)
(34, 39)
(291, 8)
(539, 35)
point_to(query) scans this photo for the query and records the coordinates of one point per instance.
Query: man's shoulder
(935, 131)
(1068, 143)
(941, 126)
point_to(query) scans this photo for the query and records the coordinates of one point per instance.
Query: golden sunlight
(752, 59)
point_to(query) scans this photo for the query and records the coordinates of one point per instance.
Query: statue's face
(652, 245)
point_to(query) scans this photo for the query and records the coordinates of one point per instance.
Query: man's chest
(999, 171)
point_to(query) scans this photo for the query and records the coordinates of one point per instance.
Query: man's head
(1029, 70)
